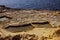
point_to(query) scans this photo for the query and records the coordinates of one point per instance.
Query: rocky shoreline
(37, 22)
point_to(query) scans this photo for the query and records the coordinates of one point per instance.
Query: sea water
(31, 4)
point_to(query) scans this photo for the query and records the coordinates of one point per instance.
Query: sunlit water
(31, 4)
